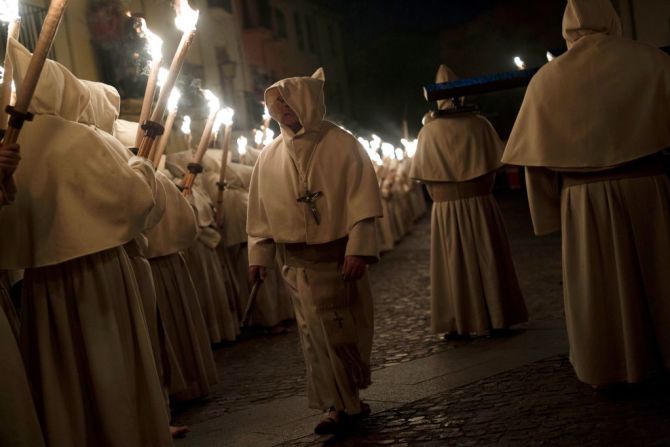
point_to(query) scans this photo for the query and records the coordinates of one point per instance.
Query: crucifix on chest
(309, 199)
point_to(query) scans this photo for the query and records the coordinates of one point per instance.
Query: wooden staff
(222, 174)
(173, 105)
(157, 152)
(155, 46)
(148, 98)
(152, 128)
(13, 32)
(195, 168)
(19, 113)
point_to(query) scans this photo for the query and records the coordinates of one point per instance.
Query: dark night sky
(394, 47)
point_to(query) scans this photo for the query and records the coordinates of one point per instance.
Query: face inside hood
(585, 17)
(304, 95)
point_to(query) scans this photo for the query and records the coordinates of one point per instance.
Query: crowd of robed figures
(126, 281)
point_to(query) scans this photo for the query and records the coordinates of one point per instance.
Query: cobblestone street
(516, 391)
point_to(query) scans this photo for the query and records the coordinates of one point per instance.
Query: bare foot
(178, 431)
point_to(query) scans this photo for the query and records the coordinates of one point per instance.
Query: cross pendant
(309, 199)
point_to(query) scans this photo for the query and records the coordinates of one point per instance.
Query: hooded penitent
(71, 176)
(606, 101)
(177, 228)
(320, 157)
(456, 147)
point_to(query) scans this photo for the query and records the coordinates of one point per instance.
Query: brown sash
(644, 167)
(449, 191)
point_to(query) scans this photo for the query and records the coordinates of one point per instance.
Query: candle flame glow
(266, 112)
(212, 101)
(154, 43)
(9, 10)
(186, 125)
(173, 100)
(242, 145)
(224, 118)
(520, 64)
(550, 56)
(187, 17)
(399, 154)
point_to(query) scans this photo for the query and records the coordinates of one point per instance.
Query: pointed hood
(305, 96)
(103, 108)
(445, 74)
(585, 17)
(58, 91)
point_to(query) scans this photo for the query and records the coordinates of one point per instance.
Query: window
(331, 41)
(31, 25)
(280, 24)
(264, 14)
(312, 37)
(298, 31)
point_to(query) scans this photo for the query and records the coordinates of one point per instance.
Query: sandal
(365, 410)
(333, 423)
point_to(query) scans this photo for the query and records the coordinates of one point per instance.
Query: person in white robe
(206, 269)
(19, 425)
(272, 308)
(188, 361)
(474, 287)
(590, 132)
(84, 338)
(314, 196)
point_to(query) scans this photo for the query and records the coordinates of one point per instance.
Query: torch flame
(186, 125)
(173, 100)
(365, 143)
(376, 142)
(9, 10)
(269, 136)
(520, 64)
(258, 136)
(411, 148)
(162, 76)
(155, 43)
(212, 101)
(187, 18)
(388, 150)
(242, 145)
(224, 118)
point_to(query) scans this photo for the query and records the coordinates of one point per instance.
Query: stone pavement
(483, 391)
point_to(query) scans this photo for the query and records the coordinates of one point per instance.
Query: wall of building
(646, 20)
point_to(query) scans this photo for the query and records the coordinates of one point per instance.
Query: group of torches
(153, 132)
(155, 127)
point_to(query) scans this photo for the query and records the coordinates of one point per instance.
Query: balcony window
(32, 18)
(300, 36)
(223, 4)
(280, 24)
(264, 14)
